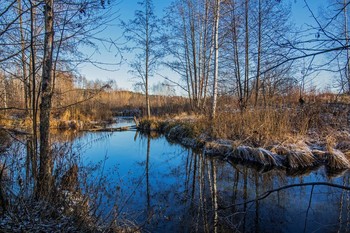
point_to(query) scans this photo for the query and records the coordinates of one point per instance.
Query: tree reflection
(149, 214)
(181, 190)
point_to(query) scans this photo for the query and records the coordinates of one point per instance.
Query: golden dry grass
(298, 155)
(337, 160)
(257, 155)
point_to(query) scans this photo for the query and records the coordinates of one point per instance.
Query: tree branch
(268, 193)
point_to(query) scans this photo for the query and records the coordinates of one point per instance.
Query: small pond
(164, 187)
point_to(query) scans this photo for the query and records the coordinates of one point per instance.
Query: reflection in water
(147, 179)
(167, 188)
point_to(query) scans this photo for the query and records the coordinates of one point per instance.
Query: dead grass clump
(337, 160)
(257, 155)
(298, 155)
(297, 159)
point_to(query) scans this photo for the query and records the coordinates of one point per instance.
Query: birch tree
(143, 31)
(257, 32)
(189, 46)
(216, 57)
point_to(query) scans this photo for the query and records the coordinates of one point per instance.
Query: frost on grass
(297, 155)
(257, 155)
(36, 216)
(70, 213)
(337, 160)
(248, 154)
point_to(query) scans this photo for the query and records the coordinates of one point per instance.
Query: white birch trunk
(216, 58)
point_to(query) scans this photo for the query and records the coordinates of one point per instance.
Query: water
(165, 187)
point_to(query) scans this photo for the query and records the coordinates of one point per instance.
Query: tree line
(248, 49)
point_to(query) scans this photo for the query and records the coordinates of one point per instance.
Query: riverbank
(152, 161)
(327, 145)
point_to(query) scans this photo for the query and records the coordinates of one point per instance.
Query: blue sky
(119, 73)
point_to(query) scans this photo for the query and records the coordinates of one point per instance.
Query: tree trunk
(32, 71)
(215, 195)
(188, 63)
(45, 170)
(206, 68)
(236, 56)
(246, 75)
(257, 83)
(147, 61)
(194, 57)
(148, 190)
(3, 82)
(347, 44)
(216, 58)
(23, 60)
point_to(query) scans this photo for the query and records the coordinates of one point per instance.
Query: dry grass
(255, 127)
(218, 147)
(71, 207)
(298, 155)
(257, 155)
(263, 126)
(337, 160)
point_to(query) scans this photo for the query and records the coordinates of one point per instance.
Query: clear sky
(119, 73)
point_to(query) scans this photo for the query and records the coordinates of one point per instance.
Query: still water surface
(165, 187)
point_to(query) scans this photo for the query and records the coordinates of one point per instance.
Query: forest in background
(250, 50)
(234, 59)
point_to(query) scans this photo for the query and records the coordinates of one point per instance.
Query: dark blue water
(165, 187)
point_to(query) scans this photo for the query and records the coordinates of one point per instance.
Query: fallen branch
(267, 193)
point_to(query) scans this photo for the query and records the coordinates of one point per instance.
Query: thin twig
(267, 193)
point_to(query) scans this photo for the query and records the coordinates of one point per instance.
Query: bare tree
(256, 34)
(46, 164)
(257, 82)
(142, 31)
(216, 57)
(333, 31)
(326, 39)
(189, 46)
